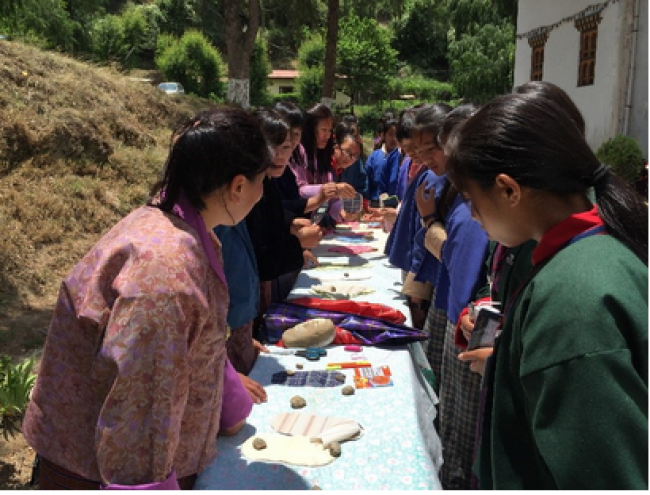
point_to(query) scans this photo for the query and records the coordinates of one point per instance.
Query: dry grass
(80, 146)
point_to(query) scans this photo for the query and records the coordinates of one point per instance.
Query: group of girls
(507, 205)
(152, 335)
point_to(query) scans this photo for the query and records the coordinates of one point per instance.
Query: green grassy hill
(80, 146)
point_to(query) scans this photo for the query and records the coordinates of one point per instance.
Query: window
(286, 89)
(537, 43)
(588, 27)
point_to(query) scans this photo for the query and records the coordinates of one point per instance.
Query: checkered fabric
(307, 379)
(458, 408)
(435, 327)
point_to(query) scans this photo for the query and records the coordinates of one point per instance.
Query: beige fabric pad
(296, 450)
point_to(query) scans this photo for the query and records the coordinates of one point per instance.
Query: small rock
(290, 372)
(340, 377)
(348, 390)
(346, 274)
(335, 449)
(260, 444)
(298, 402)
(316, 487)
(299, 366)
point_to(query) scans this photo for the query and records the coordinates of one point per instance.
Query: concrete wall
(602, 104)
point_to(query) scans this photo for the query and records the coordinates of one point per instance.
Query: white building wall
(638, 125)
(601, 102)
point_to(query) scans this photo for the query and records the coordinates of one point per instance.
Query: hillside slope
(80, 146)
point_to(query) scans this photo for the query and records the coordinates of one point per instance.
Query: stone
(335, 449)
(347, 390)
(298, 402)
(318, 332)
(259, 444)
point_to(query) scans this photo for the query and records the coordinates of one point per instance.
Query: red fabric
(414, 170)
(561, 233)
(374, 310)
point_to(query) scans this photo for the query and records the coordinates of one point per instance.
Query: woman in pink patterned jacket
(134, 384)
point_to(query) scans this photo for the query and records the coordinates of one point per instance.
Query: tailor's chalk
(352, 348)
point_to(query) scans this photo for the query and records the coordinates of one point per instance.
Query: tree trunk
(240, 40)
(330, 51)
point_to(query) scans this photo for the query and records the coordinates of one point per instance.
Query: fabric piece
(295, 450)
(558, 235)
(342, 290)
(360, 308)
(347, 263)
(457, 410)
(240, 267)
(306, 379)
(183, 209)
(351, 249)
(171, 483)
(412, 288)
(237, 402)
(129, 307)
(366, 330)
(325, 428)
(435, 238)
(241, 353)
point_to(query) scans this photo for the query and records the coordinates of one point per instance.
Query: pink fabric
(237, 402)
(352, 249)
(183, 209)
(131, 380)
(171, 483)
(309, 183)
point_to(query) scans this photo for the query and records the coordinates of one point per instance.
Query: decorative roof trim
(591, 10)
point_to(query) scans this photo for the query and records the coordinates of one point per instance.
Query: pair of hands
(308, 234)
(477, 357)
(337, 190)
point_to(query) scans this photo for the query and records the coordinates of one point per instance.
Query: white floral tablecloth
(399, 448)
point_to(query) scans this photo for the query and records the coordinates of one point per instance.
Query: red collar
(560, 234)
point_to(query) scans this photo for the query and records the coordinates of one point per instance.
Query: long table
(399, 447)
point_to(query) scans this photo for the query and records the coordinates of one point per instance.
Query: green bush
(108, 41)
(310, 86)
(292, 97)
(193, 62)
(311, 53)
(424, 89)
(16, 382)
(260, 68)
(624, 155)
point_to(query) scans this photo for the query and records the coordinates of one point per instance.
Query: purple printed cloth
(370, 331)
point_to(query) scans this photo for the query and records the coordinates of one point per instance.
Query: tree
(177, 16)
(421, 38)
(192, 61)
(259, 72)
(330, 52)
(242, 20)
(289, 23)
(366, 59)
(311, 59)
(482, 64)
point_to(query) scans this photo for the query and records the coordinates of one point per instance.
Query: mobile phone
(320, 213)
(390, 202)
(486, 326)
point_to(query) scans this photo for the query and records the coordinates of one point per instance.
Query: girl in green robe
(567, 397)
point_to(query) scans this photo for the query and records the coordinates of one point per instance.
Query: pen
(348, 365)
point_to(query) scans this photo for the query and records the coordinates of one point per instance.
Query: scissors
(312, 353)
